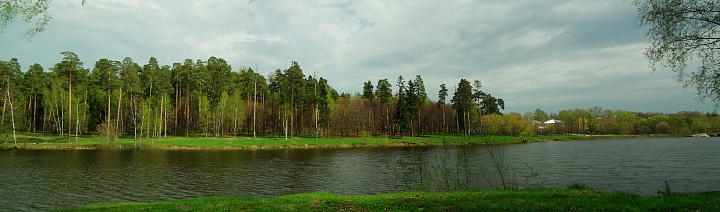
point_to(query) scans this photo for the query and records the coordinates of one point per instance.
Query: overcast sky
(547, 54)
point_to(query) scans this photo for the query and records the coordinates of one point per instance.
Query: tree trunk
(35, 114)
(177, 107)
(45, 109)
(69, 107)
(60, 115)
(107, 119)
(12, 113)
(443, 121)
(187, 111)
(165, 118)
(77, 120)
(117, 125)
(162, 105)
(133, 108)
(29, 110)
(2, 121)
(369, 125)
(419, 124)
(254, 109)
(468, 124)
(387, 117)
(285, 124)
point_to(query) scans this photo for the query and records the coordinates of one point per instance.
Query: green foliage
(540, 115)
(150, 75)
(29, 11)
(405, 107)
(505, 124)
(578, 186)
(70, 64)
(418, 89)
(384, 91)
(368, 91)
(219, 72)
(595, 120)
(130, 81)
(107, 132)
(207, 97)
(324, 101)
(699, 127)
(442, 95)
(462, 102)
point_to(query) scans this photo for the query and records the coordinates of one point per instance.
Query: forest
(207, 98)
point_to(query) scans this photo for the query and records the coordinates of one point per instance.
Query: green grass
(489, 200)
(38, 141)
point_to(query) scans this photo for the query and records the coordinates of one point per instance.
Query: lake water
(53, 179)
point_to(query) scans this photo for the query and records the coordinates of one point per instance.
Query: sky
(541, 54)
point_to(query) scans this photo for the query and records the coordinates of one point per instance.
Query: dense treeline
(207, 98)
(596, 120)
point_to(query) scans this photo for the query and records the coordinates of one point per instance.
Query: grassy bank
(37, 141)
(491, 200)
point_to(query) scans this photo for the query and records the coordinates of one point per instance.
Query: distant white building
(542, 126)
(552, 121)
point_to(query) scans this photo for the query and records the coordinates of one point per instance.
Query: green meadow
(38, 141)
(485, 200)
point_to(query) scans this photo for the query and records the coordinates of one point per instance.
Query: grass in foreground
(38, 141)
(490, 200)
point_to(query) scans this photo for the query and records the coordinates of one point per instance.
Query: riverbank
(486, 200)
(38, 141)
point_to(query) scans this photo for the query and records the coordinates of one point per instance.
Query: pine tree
(442, 95)
(384, 94)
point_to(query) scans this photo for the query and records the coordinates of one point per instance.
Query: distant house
(552, 121)
(542, 126)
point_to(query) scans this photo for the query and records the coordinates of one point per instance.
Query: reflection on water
(54, 179)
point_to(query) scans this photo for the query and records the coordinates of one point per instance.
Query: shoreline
(538, 199)
(253, 147)
(42, 142)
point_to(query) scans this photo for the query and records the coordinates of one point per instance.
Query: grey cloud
(534, 54)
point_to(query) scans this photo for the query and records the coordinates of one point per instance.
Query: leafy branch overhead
(29, 11)
(685, 33)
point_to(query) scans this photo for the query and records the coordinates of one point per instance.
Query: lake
(33, 180)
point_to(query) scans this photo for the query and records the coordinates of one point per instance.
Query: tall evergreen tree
(11, 78)
(403, 112)
(323, 102)
(419, 99)
(411, 105)
(384, 94)
(368, 95)
(104, 79)
(11, 81)
(36, 80)
(280, 85)
(149, 77)
(69, 66)
(462, 102)
(164, 87)
(218, 79)
(478, 97)
(296, 83)
(130, 85)
(442, 95)
(368, 91)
